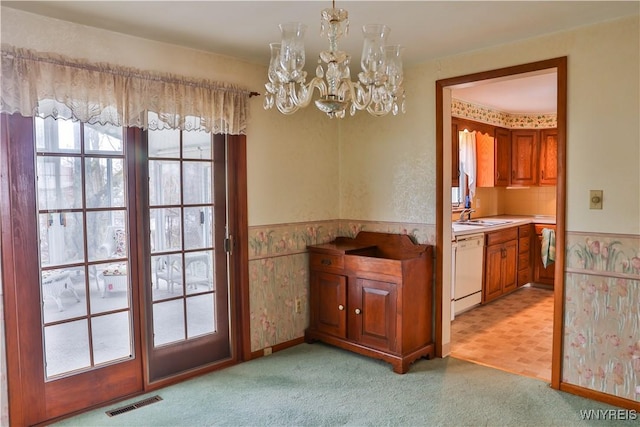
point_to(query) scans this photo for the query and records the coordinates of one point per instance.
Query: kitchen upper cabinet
(493, 156)
(524, 157)
(501, 258)
(548, 157)
(455, 155)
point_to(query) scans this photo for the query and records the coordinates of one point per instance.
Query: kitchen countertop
(514, 220)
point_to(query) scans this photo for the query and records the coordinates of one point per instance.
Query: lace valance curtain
(51, 85)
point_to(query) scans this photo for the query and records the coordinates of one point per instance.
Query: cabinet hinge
(228, 244)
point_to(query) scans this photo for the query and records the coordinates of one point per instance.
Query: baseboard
(601, 397)
(278, 347)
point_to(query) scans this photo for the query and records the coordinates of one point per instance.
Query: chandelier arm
(355, 89)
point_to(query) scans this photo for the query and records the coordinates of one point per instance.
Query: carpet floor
(318, 385)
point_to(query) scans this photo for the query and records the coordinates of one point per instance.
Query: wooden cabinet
(455, 155)
(548, 170)
(524, 254)
(501, 257)
(524, 157)
(373, 295)
(493, 158)
(542, 275)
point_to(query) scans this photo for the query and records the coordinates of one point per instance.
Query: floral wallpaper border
(483, 114)
(279, 272)
(602, 313)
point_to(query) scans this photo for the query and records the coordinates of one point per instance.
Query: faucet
(466, 212)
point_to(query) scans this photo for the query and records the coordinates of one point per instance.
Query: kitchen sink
(484, 222)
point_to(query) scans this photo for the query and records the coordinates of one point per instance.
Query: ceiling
(427, 29)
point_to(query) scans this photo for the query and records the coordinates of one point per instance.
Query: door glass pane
(168, 322)
(82, 216)
(164, 182)
(57, 136)
(105, 182)
(63, 294)
(66, 347)
(198, 271)
(111, 290)
(59, 183)
(111, 337)
(197, 183)
(200, 318)
(166, 229)
(61, 238)
(103, 139)
(198, 227)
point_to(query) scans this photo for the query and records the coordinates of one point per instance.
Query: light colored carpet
(318, 385)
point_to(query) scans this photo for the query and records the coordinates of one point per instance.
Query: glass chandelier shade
(378, 89)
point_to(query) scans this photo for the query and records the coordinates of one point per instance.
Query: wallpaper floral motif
(279, 272)
(508, 120)
(602, 314)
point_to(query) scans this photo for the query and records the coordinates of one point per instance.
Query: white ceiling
(428, 29)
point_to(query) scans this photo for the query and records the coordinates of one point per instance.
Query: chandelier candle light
(378, 89)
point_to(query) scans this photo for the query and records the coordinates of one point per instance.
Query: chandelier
(378, 89)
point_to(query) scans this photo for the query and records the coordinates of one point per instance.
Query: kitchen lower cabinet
(524, 254)
(501, 257)
(372, 295)
(541, 274)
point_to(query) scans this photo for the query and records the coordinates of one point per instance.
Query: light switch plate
(595, 199)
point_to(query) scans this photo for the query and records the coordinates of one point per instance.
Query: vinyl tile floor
(512, 333)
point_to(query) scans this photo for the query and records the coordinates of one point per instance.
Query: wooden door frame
(560, 64)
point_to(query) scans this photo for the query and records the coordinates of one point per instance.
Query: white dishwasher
(468, 266)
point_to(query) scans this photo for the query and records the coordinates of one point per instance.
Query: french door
(114, 261)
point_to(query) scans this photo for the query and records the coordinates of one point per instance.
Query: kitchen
(504, 156)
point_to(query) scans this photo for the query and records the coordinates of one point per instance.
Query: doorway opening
(444, 233)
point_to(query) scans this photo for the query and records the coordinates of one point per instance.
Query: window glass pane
(197, 182)
(111, 291)
(61, 238)
(200, 316)
(66, 347)
(63, 294)
(102, 138)
(164, 183)
(59, 183)
(57, 136)
(166, 229)
(168, 322)
(111, 337)
(164, 143)
(196, 145)
(105, 186)
(198, 227)
(107, 235)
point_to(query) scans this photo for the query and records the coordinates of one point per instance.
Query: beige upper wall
(388, 167)
(307, 167)
(292, 160)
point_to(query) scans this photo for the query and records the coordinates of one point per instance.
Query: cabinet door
(502, 157)
(329, 301)
(548, 157)
(372, 313)
(492, 272)
(543, 275)
(509, 266)
(524, 153)
(455, 155)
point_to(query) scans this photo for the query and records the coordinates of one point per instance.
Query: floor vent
(134, 405)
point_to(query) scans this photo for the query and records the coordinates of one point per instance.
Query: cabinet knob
(341, 307)
(358, 311)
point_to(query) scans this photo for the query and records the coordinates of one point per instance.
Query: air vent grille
(134, 405)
